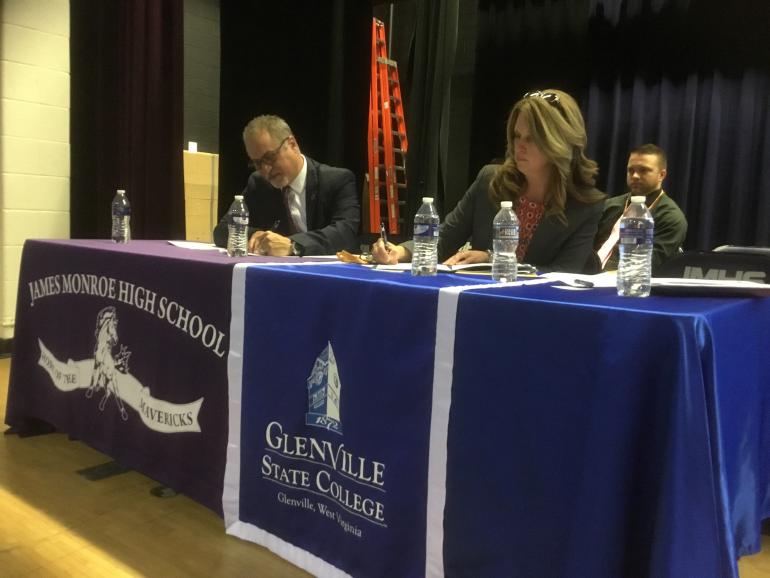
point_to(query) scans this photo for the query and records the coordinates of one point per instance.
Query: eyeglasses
(549, 97)
(268, 158)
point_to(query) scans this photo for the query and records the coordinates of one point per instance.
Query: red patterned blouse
(529, 213)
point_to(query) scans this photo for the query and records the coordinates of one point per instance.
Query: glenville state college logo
(323, 392)
(349, 486)
(108, 376)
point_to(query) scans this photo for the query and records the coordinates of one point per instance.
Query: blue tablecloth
(621, 437)
(497, 431)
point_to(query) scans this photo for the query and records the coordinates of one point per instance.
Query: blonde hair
(558, 130)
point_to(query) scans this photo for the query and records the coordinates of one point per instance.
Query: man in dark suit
(297, 206)
(647, 168)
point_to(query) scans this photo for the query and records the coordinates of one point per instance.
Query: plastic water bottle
(121, 218)
(425, 256)
(505, 229)
(238, 228)
(636, 233)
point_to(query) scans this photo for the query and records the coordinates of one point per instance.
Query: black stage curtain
(126, 128)
(434, 44)
(307, 62)
(690, 75)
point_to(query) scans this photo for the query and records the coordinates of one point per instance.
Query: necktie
(606, 250)
(293, 208)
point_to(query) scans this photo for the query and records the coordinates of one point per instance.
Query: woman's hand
(468, 257)
(389, 254)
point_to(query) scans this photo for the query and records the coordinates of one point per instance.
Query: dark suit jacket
(670, 230)
(555, 246)
(333, 210)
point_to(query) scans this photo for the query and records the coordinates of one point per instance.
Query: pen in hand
(384, 237)
(260, 235)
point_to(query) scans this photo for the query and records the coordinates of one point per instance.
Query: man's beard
(279, 182)
(642, 190)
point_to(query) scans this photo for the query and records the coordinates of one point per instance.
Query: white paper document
(195, 245)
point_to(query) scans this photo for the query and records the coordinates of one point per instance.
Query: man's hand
(269, 243)
(389, 254)
(468, 257)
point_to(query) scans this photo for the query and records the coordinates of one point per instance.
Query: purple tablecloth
(125, 348)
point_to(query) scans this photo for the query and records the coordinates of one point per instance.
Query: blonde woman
(550, 181)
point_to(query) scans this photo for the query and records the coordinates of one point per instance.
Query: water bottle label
(510, 233)
(426, 230)
(636, 236)
(238, 220)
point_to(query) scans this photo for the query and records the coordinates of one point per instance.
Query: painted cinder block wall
(34, 134)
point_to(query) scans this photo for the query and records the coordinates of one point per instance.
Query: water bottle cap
(638, 199)
(238, 197)
(506, 204)
(427, 199)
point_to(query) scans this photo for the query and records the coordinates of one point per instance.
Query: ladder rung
(387, 61)
(382, 183)
(393, 116)
(395, 150)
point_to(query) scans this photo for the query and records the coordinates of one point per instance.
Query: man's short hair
(274, 125)
(652, 149)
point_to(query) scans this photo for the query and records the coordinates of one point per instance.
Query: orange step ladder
(387, 136)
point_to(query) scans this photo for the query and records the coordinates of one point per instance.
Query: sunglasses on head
(549, 97)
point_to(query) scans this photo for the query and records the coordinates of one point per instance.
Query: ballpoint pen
(384, 236)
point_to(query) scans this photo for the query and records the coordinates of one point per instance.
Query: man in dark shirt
(297, 206)
(645, 174)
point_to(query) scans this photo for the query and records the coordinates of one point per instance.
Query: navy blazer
(332, 208)
(555, 246)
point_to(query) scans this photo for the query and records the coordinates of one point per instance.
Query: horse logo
(107, 365)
